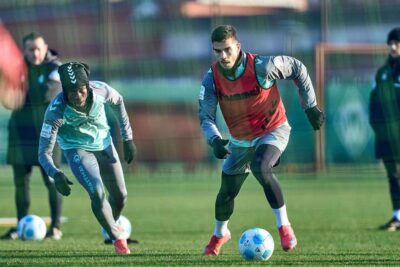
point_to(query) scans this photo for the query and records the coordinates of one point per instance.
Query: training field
(334, 214)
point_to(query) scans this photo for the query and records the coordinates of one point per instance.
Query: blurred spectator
(24, 129)
(384, 112)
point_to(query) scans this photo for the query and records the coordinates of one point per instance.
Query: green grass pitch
(335, 215)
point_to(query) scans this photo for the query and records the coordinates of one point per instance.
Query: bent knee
(227, 195)
(97, 195)
(259, 166)
(119, 199)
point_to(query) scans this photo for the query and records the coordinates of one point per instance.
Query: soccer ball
(124, 223)
(31, 227)
(256, 244)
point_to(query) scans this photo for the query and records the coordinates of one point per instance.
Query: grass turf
(334, 214)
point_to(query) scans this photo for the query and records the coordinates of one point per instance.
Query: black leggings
(22, 174)
(265, 157)
(393, 173)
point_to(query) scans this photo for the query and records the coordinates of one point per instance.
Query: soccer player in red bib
(245, 87)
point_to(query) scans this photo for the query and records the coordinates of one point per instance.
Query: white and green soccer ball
(256, 244)
(31, 227)
(125, 225)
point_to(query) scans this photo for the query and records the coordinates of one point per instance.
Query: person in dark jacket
(384, 112)
(24, 130)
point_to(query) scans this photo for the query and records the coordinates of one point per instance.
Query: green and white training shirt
(75, 129)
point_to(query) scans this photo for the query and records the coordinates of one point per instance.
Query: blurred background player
(12, 71)
(77, 120)
(24, 128)
(244, 85)
(385, 121)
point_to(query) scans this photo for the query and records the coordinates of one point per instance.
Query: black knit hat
(394, 35)
(74, 75)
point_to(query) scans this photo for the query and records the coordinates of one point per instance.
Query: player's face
(77, 97)
(226, 52)
(394, 49)
(35, 51)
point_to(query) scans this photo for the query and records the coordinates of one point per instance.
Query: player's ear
(238, 45)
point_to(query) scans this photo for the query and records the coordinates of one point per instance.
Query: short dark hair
(222, 33)
(394, 35)
(30, 37)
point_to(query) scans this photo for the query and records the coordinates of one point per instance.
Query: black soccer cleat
(11, 234)
(391, 226)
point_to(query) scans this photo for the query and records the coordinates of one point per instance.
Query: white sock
(221, 228)
(281, 216)
(396, 214)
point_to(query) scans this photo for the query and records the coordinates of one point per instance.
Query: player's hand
(218, 145)
(129, 151)
(316, 117)
(62, 184)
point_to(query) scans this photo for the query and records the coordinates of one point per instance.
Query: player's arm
(48, 135)
(289, 68)
(116, 102)
(53, 120)
(376, 115)
(208, 102)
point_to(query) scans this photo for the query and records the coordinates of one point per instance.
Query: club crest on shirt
(76, 158)
(41, 79)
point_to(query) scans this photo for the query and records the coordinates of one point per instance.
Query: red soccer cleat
(288, 239)
(121, 247)
(215, 244)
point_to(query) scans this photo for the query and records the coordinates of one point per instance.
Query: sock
(396, 214)
(281, 216)
(221, 228)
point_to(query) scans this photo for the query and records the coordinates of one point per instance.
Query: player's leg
(264, 159)
(86, 169)
(22, 174)
(113, 179)
(225, 202)
(234, 173)
(55, 201)
(393, 173)
(267, 154)
(261, 166)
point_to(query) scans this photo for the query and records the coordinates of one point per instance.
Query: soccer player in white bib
(77, 121)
